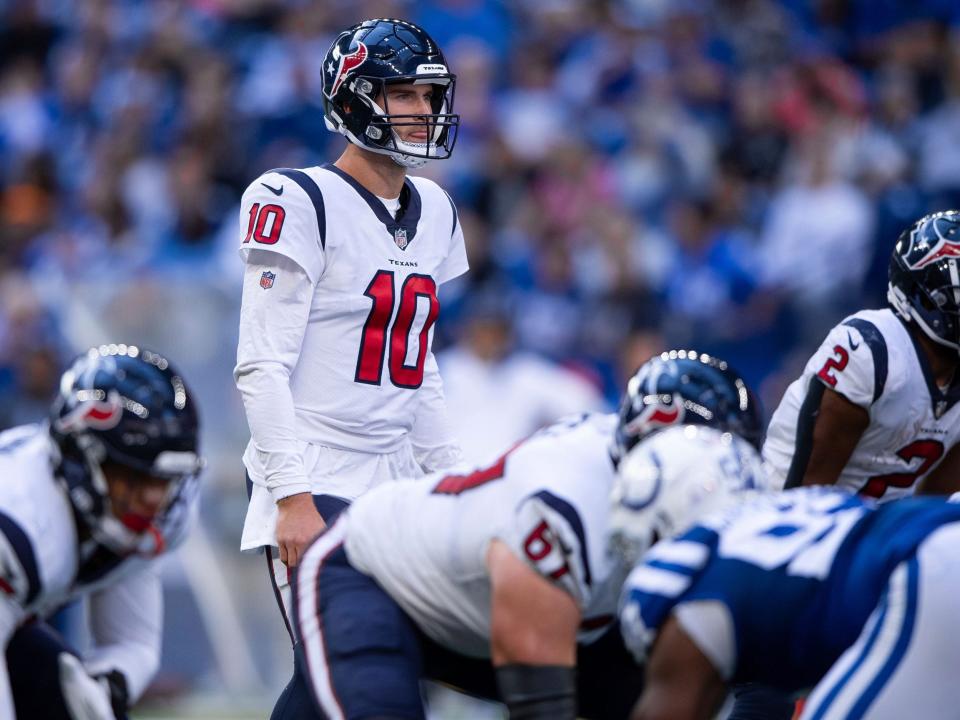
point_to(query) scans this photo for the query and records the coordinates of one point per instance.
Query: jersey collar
(940, 400)
(408, 216)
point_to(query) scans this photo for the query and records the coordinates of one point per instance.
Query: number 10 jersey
(366, 346)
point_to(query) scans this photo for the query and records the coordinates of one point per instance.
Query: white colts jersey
(871, 359)
(425, 542)
(366, 346)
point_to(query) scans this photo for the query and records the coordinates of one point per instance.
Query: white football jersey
(871, 359)
(40, 569)
(425, 541)
(38, 533)
(366, 346)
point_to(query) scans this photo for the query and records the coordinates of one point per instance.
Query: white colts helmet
(672, 479)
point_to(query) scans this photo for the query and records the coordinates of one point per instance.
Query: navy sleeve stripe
(24, 550)
(878, 347)
(316, 197)
(804, 443)
(453, 209)
(573, 519)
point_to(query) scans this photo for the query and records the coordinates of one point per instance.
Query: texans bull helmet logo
(97, 412)
(923, 252)
(347, 63)
(655, 412)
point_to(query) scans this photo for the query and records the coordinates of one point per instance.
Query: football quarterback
(342, 268)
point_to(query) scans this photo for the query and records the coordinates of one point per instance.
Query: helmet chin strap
(115, 535)
(413, 160)
(119, 536)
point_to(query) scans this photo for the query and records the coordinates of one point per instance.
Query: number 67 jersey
(425, 541)
(872, 360)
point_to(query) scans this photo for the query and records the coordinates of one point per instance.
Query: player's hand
(86, 698)
(298, 522)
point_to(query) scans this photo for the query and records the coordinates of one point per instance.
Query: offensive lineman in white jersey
(876, 408)
(86, 505)
(442, 575)
(343, 262)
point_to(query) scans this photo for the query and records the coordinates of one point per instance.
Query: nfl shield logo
(400, 238)
(266, 280)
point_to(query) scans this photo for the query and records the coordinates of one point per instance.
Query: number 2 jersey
(776, 589)
(425, 541)
(873, 360)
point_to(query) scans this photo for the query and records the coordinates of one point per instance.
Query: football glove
(86, 697)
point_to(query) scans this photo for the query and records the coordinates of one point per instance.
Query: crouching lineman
(808, 588)
(87, 502)
(437, 577)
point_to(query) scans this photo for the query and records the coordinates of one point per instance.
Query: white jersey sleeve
(126, 623)
(282, 212)
(455, 263)
(434, 444)
(548, 534)
(845, 363)
(273, 321)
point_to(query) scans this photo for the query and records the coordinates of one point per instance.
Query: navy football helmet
(683, 387)
(124, 405)
(925, 277)
(359, 65)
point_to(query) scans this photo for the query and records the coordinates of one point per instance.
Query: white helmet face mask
(674, 478)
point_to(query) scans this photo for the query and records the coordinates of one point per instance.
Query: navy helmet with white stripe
(924, 277)
(127, 406)
(362, 61)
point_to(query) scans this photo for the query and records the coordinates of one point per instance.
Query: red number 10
(257, 224)
(373, 340)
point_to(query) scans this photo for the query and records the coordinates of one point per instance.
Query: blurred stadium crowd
(631, 174)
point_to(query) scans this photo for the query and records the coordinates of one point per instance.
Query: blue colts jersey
(797, 573)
